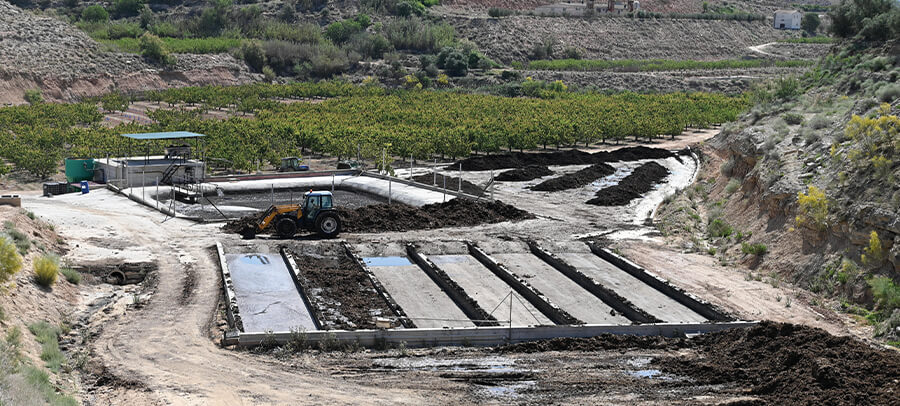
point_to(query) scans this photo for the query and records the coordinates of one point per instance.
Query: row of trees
(361, 119)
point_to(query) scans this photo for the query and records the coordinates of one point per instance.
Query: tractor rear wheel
(328, 225)
(286, 227)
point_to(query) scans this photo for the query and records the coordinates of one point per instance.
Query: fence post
(459, 180)
(156, 197)
(389, 189)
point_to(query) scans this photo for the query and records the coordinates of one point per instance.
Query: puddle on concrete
(387, 261)
(255, 259)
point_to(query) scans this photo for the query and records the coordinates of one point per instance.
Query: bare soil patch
(524, 174)
(577, 179)
(632, 186)
(568, 157)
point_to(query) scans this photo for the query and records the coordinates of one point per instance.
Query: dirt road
(161, 354)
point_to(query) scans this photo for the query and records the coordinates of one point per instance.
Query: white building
(788, 19)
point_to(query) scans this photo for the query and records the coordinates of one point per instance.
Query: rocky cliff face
(38, 52)
(789, 147)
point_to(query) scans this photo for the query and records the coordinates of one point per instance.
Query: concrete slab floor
(266, 295)
(640, 294)
(422, 300)
(489, 290)
(561, 290)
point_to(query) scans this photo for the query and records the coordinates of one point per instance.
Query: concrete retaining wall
(457, 294)
(292, 267)
(481, 336)
(398, 311)
(523, 288)
(690, 301)
(232, 314)
(607, 295)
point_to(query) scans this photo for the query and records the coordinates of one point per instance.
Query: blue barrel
(84, 187)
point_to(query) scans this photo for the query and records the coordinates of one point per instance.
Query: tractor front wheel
(286, 227)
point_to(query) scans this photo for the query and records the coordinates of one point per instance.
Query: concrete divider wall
(398, 311)
(232, 314)
(607, 295)
(457, 294)
(292, 267)
(523, 288)
(690, 301)
(481, 336)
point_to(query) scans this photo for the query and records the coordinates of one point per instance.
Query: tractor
(316, 213)
(292, 164)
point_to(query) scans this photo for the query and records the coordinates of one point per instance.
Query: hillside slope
(513, 38)
(43, 53)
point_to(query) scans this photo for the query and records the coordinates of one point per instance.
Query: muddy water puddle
(498, 377)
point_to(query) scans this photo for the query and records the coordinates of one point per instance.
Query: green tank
(78, 170)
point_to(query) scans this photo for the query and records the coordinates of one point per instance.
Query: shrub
(792, 118)
(253, 55)
(415, 34)
(719, 229)
(48, 336)
(46, 269)
(496, 12)
(95, 13)
(732, 186)
(886, 293)
(153, 48)
(456, 64)
(124, 30)
(10, 259)
(869, 20)
(370, 45)
(787, 88)
(818, 122)
(810, 23)
(128, 8)
(71, 275)
(889, 93)
(572, 53)
(812, 208)
(754, 249)
(268, 74)
(33, 96)
(874, 252)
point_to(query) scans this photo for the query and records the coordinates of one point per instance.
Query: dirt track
(162, 353)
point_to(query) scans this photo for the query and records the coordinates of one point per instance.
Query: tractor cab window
(312, 202)
(326, 202)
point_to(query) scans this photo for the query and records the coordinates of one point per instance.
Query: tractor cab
(292, 164)
(314, 202)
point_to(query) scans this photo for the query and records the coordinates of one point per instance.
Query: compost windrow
(400, 217)
(631, 187)
(576, 179)
(525, 174)
(569, 157)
